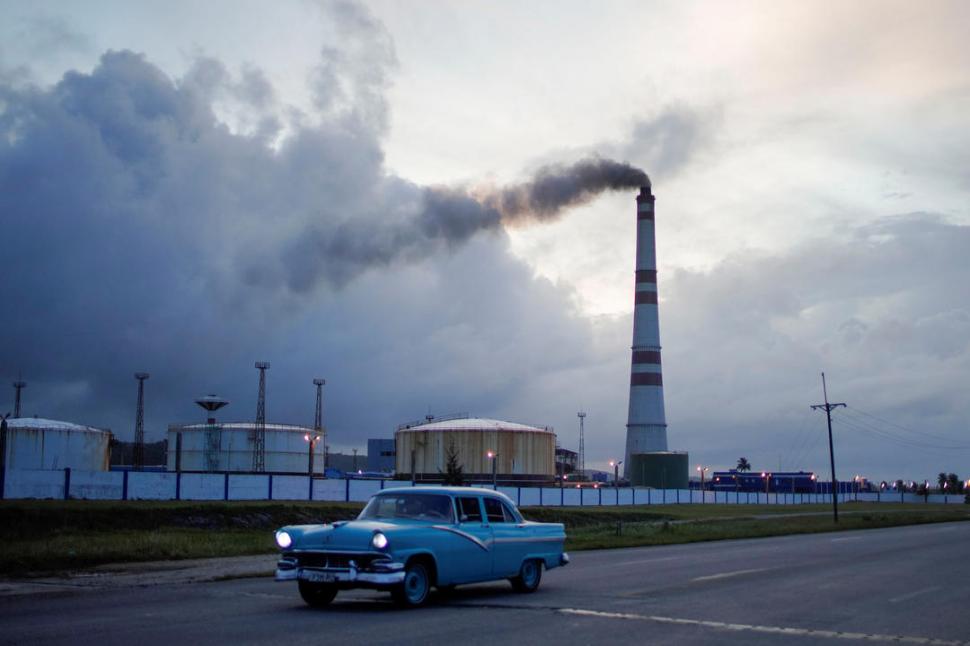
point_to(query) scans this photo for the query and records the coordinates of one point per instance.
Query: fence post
(309, 494)
(124, 485)
(678, 496)
(518, 498)
(601, 497)
(346, 489)
(270, 484)
(382, 484)
(67, 483)
(540, 495)
(178, 485)
(3, 457)
(225, 486)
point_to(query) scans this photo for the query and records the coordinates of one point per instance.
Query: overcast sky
(187, 188)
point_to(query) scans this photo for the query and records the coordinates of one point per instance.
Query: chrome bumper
(385, 574)
(564, 559)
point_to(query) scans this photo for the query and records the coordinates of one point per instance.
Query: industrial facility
(37, 443)
(230, 447)
(646, 429)
(486, 449)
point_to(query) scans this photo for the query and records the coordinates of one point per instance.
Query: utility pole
(582, 445)
(827, 407)
(19, 385)
(138, 451)
(259, 437)
(318, 418)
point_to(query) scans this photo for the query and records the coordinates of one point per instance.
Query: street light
(310, 440)
(494, 458)
(616, 472)
(702, 471)
(767, 479)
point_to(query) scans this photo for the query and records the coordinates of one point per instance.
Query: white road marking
(846, 538)
(725, 575)
(777, 630)
(660, 560)
(914, 594)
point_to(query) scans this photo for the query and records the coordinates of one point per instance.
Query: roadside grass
(41, 537)
(639, 534)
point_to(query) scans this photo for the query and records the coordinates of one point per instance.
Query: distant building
(348, 463)
(381, 455)
(566, 461)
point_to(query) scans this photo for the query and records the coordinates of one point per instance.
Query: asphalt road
(906, 584)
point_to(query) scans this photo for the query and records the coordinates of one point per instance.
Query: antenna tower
(138, 451)
(318, 419)
(20, 384)
(259, 437)
(582, 445)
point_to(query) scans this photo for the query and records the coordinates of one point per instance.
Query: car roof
(452, 491)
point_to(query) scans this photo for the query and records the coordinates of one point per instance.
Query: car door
(469, 551)
(508, 546)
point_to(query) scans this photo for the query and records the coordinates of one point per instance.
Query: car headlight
(379, 541)
(283, 539)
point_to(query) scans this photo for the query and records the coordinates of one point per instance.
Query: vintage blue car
(407, 540)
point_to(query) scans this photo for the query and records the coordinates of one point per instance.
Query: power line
(900, 426)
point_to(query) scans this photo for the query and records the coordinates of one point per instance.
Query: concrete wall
(150, 485)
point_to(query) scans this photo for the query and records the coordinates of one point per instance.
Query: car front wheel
(413, 592)
(530, 575)
(317, 594)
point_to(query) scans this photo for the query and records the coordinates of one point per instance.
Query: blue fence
(151, 485)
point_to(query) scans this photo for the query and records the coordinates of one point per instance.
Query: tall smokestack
(646, 428)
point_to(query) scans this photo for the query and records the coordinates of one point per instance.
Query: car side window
(510, 516)
(494, 511)
(468, 510)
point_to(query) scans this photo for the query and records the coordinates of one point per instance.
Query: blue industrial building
(381, 455)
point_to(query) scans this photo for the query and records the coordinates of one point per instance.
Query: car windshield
(414, 506)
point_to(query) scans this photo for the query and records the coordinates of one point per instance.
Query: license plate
(317, 577)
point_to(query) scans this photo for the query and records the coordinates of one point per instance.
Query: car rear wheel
(413, 592)
(317, 595)
(530, 575)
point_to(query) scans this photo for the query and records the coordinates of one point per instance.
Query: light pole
(311, 440)
(702, 471)
(767, 479)
(494, 458)
(616, 471)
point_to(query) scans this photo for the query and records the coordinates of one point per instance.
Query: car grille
(333, 560)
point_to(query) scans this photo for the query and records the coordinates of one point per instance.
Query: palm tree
(954, 483)
(743, 465)
(941, 481)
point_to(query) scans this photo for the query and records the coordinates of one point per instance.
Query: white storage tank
(37, 443)
(229, 447)
(523, 453)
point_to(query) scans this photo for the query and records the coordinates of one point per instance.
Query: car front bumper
(383, 575)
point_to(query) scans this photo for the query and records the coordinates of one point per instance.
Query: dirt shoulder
(134, 575)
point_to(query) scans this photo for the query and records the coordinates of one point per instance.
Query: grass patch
(39, 537)
(638, 534)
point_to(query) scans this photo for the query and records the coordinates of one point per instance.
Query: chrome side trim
(465, 535)
(528, 539)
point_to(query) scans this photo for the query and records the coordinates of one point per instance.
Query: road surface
(904, 584)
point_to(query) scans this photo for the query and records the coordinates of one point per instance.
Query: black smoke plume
(558, 187)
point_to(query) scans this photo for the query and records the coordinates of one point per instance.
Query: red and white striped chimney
(646, 428)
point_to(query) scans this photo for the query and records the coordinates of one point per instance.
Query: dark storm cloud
(141, 233)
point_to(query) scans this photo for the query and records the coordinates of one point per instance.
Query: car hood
(352, 536)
